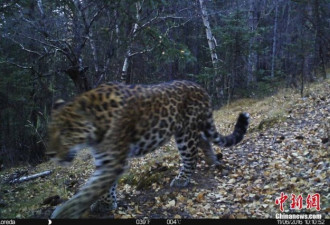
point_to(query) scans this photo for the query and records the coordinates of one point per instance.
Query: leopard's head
(66, 133)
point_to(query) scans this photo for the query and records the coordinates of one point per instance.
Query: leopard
(121, 121)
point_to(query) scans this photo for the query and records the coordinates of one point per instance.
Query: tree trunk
(274, 39)
(319, 55)
(302, 73)
(94, 51)
(252, 57)
(210, 38)
(286, 41)
(78, 76)
(214, 57)
(124, 78)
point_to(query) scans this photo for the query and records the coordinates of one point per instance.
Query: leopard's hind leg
(187, 145)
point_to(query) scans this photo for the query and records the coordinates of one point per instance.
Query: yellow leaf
(180, 198)
(241, 216)
(200, 197)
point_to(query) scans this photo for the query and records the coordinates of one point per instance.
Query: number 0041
(173, 221)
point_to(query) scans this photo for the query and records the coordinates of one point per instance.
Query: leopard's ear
(58, 104)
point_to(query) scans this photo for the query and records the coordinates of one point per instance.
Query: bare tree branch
(57, 48)
(17, 65)
(39, 2)
(31, 177)
(176, 26)
(22, 46)
(141, 52)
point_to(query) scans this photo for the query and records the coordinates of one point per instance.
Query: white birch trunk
(116, 28)
(123, 77)
(94, 51)
(213, 84)
(210, 38)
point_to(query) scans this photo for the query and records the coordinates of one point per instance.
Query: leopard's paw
(102, 206)
(180, 182)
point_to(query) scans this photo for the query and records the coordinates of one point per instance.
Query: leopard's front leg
(107, 202)
(108, 170)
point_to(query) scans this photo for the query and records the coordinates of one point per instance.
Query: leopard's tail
(226, 141)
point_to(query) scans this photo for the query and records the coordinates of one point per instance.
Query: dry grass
(265, 112)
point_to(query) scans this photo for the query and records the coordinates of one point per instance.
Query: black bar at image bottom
(143, 221)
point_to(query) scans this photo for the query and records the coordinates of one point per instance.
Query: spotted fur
(121, 121)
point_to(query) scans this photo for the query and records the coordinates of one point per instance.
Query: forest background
(233, 48)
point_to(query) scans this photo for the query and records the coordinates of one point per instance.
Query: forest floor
(285, 151)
